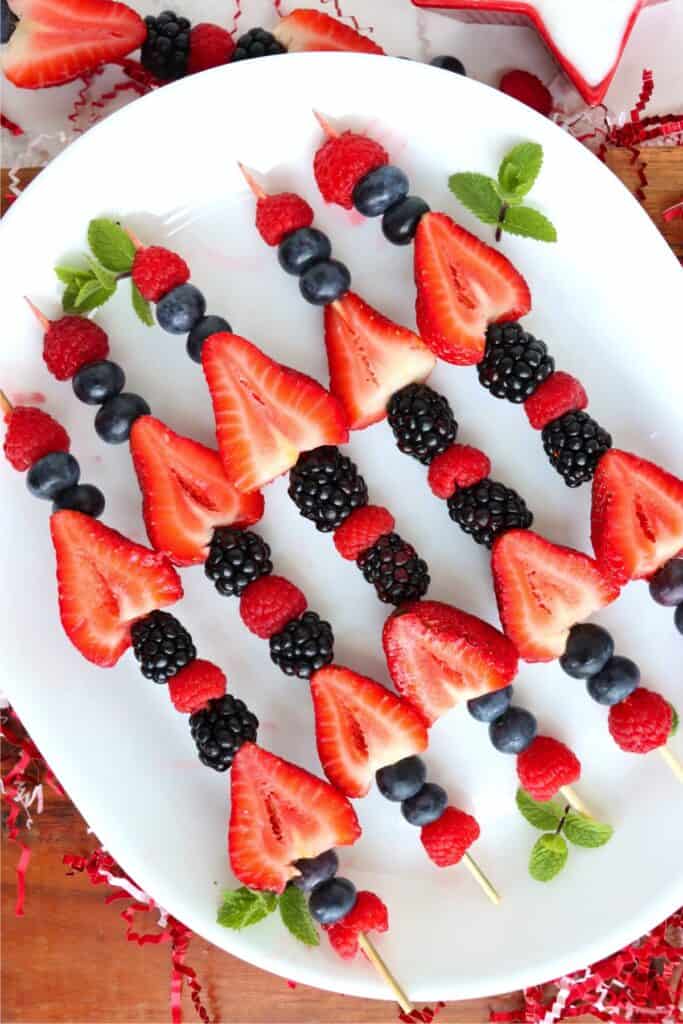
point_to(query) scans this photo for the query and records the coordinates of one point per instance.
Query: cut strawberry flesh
(542, 590)
(361, 726)
(266, 414)
(313, 30)
(106, 582)
(370, 358)
(279, 814)
(439, 656)
(185, 492)
(462, 286)
(636, 517)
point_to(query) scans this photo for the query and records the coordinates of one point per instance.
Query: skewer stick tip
(331, 132)
(134, 239)
(252, 182)
(481, 879)
(384, 972)
(576, 802)
(5, 404)
(674, 764)
(40, 317)
(340, 311)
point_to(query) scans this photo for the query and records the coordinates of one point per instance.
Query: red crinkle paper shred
(11, 126)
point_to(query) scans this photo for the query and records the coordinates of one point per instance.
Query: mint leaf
(548, 857)
(297, 917)
(478, 193)
(519, 170)
(675, 721)
(70, 295)
(523, 220)
(87, 289)
(90, 296)
(141, 305)
(584, 831)
(243, 907)
(110, 245)
(68, 274)
(540, 815)
(106, 279)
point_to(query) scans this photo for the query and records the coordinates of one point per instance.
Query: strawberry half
(542, 590)
(313, 30)
(266, 414)
(439, 656)
(361, 726)
(280, 813)
(59, 40)
(370, 358)
(636, 516)
(185, 492)
(106, 582)
(462, 286)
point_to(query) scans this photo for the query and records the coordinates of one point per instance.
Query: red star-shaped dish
(587, 37)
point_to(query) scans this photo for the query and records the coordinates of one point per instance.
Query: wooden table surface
(67, 959)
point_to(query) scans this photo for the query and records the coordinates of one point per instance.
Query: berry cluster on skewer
(111, 595)
(377, 369)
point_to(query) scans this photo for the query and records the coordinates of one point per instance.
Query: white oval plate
(605, 298)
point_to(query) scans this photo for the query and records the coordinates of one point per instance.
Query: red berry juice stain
(28, 398)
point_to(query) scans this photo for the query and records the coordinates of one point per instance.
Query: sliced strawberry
(185, 492)
(637, 516)
(439, 656)
(361, 726)
(59, 40)
(542, 590)
(313, 30)
(462, 286)
(281, 813)
(370, 358)
(266, 414)
(106, 582)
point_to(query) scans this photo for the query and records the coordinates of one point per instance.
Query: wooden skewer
(40, 317)
(331, 132)
(674, 764)
(5, 404)
(134, 239)
(481, 879)
(575, 801)
(252, 182)
(384, 972)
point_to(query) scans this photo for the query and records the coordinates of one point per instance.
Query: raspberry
(369, 914)
(195, 685)
(277, 215)
(70, 343)
(527, 88)
(459, 466)
(544, 766)
(210, 47)
(342, 161)
(558, 394)
(448, 838)
(157, 270)
(31, 433)
(269, 603)
(361, 530)
(642, 722)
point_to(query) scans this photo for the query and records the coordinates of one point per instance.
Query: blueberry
(300, 249)
(202, 330)
(85, 498)
(8, 22)
(448, 64)
(324, 282)
(588, 649)
(114, 420)
(315, 870)
(615, 681)
(332, 900)
(678, 618)
(399, 223)
(426, 805)
(401, 780)
(52, 474)
(513, 731)
(96, 382)
(379, 190)
(666, 586)
(490, 706)
(180, 309)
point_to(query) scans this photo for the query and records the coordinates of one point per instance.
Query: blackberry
(394, 569)
(161, 645)
(514, 363)
(257, 43)
(166, 49)
(326, 487)
(220, 729)
(236, 558)
(422, 421)
(488, 508)
(303, 646)
(575, 443)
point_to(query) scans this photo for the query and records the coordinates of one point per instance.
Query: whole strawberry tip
(40, 317)
(252, 182)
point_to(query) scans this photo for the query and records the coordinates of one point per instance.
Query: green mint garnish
(519, 169)
(478, 193)
(675, 721)
(110, 245)
(141, 306)
(243, 907)
(584, 831)
(523, 220)
(548, 857)
(296, 916)
(541, 815)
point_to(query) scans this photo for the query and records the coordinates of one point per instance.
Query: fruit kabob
(111, 594)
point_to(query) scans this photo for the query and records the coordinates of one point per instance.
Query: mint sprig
(548, 857)
(550, 851)
(296, 916)
(499, 200)
(243, 907)
(110, 245)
